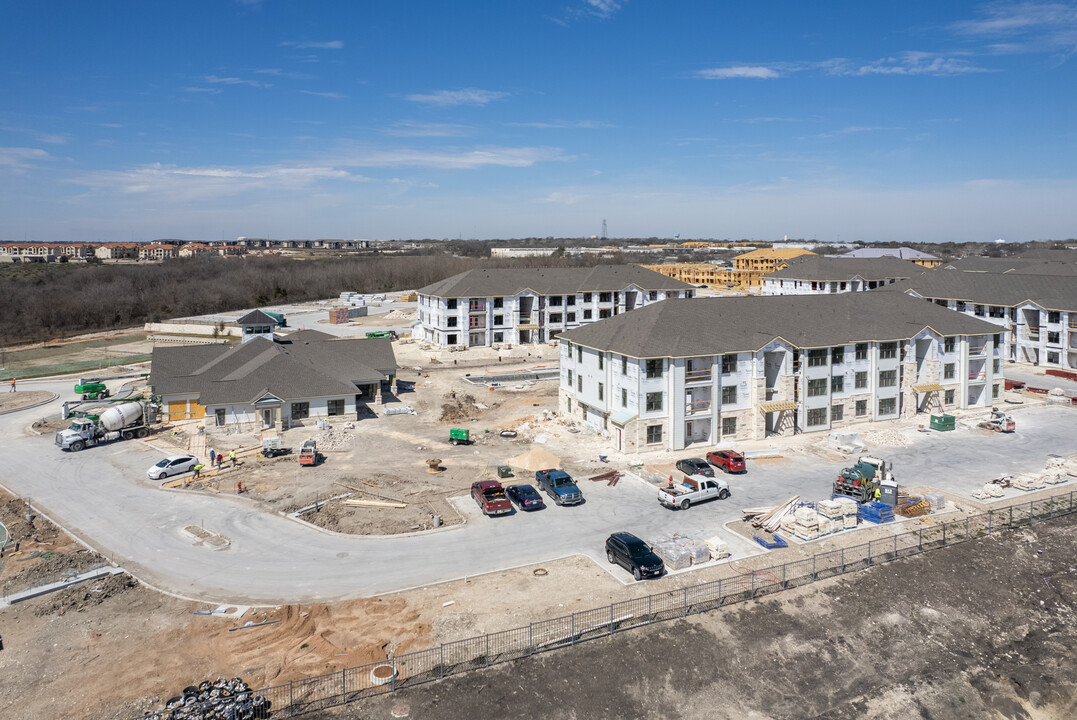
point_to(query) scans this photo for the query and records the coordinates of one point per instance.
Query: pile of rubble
(333, 439)
(888, 438)
(221, 698)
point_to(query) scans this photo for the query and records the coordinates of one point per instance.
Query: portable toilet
(888, 492)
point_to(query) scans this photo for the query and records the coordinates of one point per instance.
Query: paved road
(102, 494)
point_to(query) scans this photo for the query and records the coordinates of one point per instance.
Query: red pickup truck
(728, 460)
(491, 497)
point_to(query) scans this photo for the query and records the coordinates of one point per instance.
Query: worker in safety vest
(198, 469)
(878, 494)
(232, 457)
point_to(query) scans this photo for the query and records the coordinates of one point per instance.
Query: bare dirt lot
(21, 398)
(984, 629)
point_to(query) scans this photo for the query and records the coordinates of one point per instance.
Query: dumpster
(504, 471)
(942, 422)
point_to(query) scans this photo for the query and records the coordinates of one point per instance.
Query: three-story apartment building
(721, 369)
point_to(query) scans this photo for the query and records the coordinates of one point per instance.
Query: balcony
(697, 376)
(697, 407)
(977, 349)
(1033, 333)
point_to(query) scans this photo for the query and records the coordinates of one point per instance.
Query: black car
(634, 555)
(525, 497)
(695, 466)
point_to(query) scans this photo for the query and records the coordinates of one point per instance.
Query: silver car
(172, 465)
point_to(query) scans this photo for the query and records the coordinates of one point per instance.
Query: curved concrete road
(103, 496)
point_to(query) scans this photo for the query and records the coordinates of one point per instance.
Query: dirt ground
(79, 355)
(985, 629)
(20, 398)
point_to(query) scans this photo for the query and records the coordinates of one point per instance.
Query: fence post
(921, 540)
(944, 534)
(1011, 516)
(394, 665)
(530, 640)
(843, 559)
(966, 527)
(488, 648)
(343, 684)
(813, 575)
(611, 620)
(291, 693)
(441, 664)
(989, 514)
(572, 637)
(684, 600)
(895, 547)
(784, 566)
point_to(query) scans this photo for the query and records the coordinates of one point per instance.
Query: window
(860, 380)
(601, 360)
(861, 408)
(887, 406)
(499, 302)
(948, 371)
(477, 305)
(979, 310)
(603, 314)
(817, 358)
(654, 402)
(652, 295)
(570, 378)
(570, 300)
(1052, 357)
(300, 410)
(450, 339)
(948, 344)
(601, 391)
(837, 355)
(817, 387)
(555, 318)
(887, 351)
(624, 364)
(994, 392)
(476, 321)
(654, 369)
(450, 303)
(817, 416)
(587, 297)
(996, 312)
(571, 317)
(729, 426)
(579, 383)
(837, 412)
(729, 394)
(888, 378)
(624, 397)
(654, 434)
(837, 384)
(1052, 337)
(555, 301)
(335, 407)
(452, 321)
(961, 307)
(998, 339)
(219, 412)
(948, 397)
(499, 319)
(941, 303)
(729, 363)
(499, 337)
(996, 365)
(861, 351)
(605, 297)
(586, 314)
(579, 353)
(1054, 316)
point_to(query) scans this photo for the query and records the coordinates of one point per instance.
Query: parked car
(634, 555)
(695, 466)
(728, 460)
(171, 466)
(558, 485)
(491, 497)
(525, 497)
(694, 489)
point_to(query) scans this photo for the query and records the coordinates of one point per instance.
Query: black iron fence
(423, 666)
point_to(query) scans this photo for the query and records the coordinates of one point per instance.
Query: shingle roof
(1019, 266)
(503, 282)
(256, 317)
(828, 269)
(1054, 292)
(713, 326)
(222, 374)
(902, 253)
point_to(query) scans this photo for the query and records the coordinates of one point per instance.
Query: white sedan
(172, 465)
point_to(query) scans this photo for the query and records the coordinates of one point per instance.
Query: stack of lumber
(719, 548)
(770, 519)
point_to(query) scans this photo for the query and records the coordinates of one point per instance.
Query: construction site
(341, 545)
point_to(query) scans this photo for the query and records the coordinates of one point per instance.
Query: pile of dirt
(459, 408)
(85, 595)
(23, 525)
(46, 427)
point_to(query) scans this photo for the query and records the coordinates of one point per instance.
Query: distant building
(156, 251)
(503, 306)
(902, 253)
(749, 268)
(817, 274)
(521, 252)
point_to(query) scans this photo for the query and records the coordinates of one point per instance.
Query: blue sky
(284, 118)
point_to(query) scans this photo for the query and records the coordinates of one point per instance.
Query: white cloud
(19, 159)
(40, 136)
(448, 158)
(419, 129)
(199, 182)
(207, 91)
(309, 45)
(910, 63)
(602, 8)
(215, 80)
(277, 72)
(1024, 27)
(565, 125)
(467, 96)
(331, 95)
(562, 198)
(739, 71)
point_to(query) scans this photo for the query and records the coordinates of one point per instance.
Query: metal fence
(415, 668)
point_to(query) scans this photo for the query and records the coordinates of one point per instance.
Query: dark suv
(695, 466)
(634, 555)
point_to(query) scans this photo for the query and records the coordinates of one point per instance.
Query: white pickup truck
(693, 489)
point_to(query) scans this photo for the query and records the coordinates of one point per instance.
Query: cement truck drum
(120, 416)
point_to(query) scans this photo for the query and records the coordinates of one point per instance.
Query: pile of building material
(936, 500)
(679, 551)
(912, 506)
(876, 512)
(990, 491)
(836, 515)
(719, 548)
(1029, 482)
(770, 519)
(332, 439)
(805, 523)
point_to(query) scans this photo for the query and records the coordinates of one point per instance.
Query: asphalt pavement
(103, 496)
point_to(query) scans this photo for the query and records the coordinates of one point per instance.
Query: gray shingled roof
(256, 317)
(504, 282)
(1019, 266)
(902, 253)
(224, 374)
(1054, 292)
(837, 269)
(713, 326)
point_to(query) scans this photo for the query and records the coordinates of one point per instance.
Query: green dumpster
(504, 471)
(942, 422)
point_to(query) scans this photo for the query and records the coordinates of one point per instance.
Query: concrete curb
(34, 405)
(40, 590)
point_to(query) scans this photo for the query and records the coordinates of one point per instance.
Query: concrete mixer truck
(124, 420)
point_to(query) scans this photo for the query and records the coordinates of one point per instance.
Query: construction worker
(198, 470)
(212, 456)
(232, 457)
(239, 487)
(878, 494)
(12, 384)
(220, 459)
